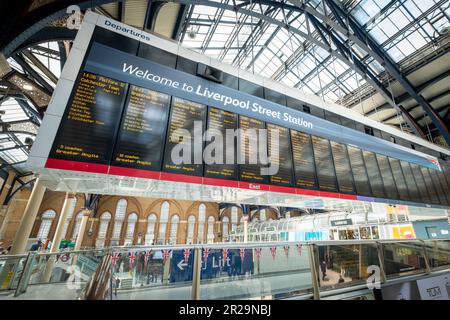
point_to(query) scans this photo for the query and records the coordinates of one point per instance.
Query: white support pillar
(58, 235)
(82, 231)
(29, 216)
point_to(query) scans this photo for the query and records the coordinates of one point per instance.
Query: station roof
(336, 58)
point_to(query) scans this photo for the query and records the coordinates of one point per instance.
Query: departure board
(399, 179)
(282, 159)
(90, 121)
(445, 185)
(411, 183)
(431, 189)
(359, 171)
(185, 148)
(324, 164)
(143, 129)
(437, 186)
(342, 165)
(420, 182)
(373, 172)
(248, 144)
(388, 178)
(220, 121)
(304, 167)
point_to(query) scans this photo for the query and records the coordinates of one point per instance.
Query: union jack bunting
(299, 248)
(166, 254)
(273, 251)
(131, 258)
(205, 254)
(114, 258)
(286, 250)
(146, 257)
(242, 254)
(186, 253)
(258, 253)
(225, 254)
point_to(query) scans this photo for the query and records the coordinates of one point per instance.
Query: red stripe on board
(282, 189)
(348, 196)
(180, 177)
(221, 182)
(307, 192)
(131, 172)
(328, 194)
(76, 166)
(254, 186)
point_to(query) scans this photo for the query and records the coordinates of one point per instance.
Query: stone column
(58, 236)
(8, 182)
(82, 231)
(29, 216)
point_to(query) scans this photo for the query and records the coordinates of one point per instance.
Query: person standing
(323, 268)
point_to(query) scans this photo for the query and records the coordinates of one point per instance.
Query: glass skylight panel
(378, 34)
(13, 111)
(424, 5)
(388, 27)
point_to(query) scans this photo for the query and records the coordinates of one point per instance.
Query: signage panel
(143, 129)
(90, 121)
(305, 172)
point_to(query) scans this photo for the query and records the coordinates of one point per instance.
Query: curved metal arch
(10, 196)
(47, 34)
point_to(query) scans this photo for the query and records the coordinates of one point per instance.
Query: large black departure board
(388, 178)
(283, 160)
(399, 179)
(359, 171)
(410, 182)
(420, 182)
(342, 165)
(431, 189)
(373, 172)
(248, 149)
(185, 115)
(438, 186)
(305, 172)
(142, 132)
(90, 121)
(220, 121)
(445, 186)
(324, 164)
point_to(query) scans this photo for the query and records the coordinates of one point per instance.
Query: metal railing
(273, 270)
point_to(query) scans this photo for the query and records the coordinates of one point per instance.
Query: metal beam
(406, 96)
(182, 12)
(43, 84)
(40, 66)
(391, 67)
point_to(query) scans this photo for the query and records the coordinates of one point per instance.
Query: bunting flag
(286, 250)
(242, 254)
(114, 258)
(186, 253)
(258, 253)
(205, 254)
(299, 248)
(146, 257)
(166, 254)
(273, 251)
(131, 258)
(225, 254)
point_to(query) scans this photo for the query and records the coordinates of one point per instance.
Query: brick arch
(157, 204)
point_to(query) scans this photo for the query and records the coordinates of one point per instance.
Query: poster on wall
(435, 288)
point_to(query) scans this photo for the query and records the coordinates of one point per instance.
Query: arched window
(77, 226)
(234, 218)
(103, 229)
(210, 236)
(164, 217)
(262, 215)
(174, 229)
(46, 223)
(225, 222)
(150, 235)
(131, 226)
(201, 222)
(72, 205)
(121, 209)
(190, 230)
